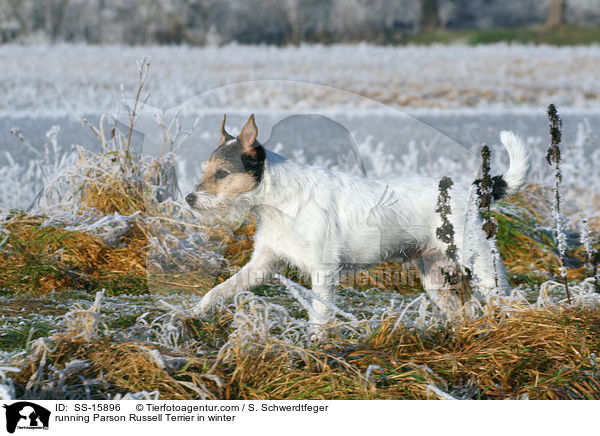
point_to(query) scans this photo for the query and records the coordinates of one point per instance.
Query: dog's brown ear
(248, 137)
(224, 135)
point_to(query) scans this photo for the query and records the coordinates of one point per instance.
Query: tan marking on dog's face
(220, 179)
(238, 183)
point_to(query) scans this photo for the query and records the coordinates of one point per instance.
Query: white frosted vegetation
(259, 325)
(78, 79)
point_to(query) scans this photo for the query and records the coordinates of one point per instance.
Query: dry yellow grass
(541, 353)
(133, 367)
(109, 195)
(41, 259)
(531, 353)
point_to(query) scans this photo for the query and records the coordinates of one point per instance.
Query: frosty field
(81, 80)
(102, 260)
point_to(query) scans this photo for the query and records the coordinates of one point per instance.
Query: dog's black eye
(220, 174)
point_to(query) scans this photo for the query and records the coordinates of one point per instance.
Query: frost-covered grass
(255, 348)
(78, 79)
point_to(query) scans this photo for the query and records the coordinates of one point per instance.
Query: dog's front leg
(256, 272)
(322, 284)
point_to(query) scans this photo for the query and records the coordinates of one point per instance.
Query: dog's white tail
(520, 162)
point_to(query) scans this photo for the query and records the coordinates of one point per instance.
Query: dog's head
(234, 169)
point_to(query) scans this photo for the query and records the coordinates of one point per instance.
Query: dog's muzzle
(202, 201)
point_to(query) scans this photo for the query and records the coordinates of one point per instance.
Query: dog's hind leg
(256, 272)
(489, 274)
(430, 270)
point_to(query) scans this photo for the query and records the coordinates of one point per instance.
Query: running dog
(323, 221)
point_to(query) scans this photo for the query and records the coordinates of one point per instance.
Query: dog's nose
(191, 199)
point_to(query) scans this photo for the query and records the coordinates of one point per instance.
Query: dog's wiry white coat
(323, 221)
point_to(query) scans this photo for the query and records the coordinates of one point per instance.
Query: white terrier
(324, 221)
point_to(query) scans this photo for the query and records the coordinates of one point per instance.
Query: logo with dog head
(26, 415)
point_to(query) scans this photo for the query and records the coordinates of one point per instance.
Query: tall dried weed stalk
(485, 189)
(553, 157)
(455, 275)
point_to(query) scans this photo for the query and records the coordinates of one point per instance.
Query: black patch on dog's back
(499, 186)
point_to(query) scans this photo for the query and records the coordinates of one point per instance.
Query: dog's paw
(202, 309)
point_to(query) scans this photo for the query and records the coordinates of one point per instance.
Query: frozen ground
(82, 79)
